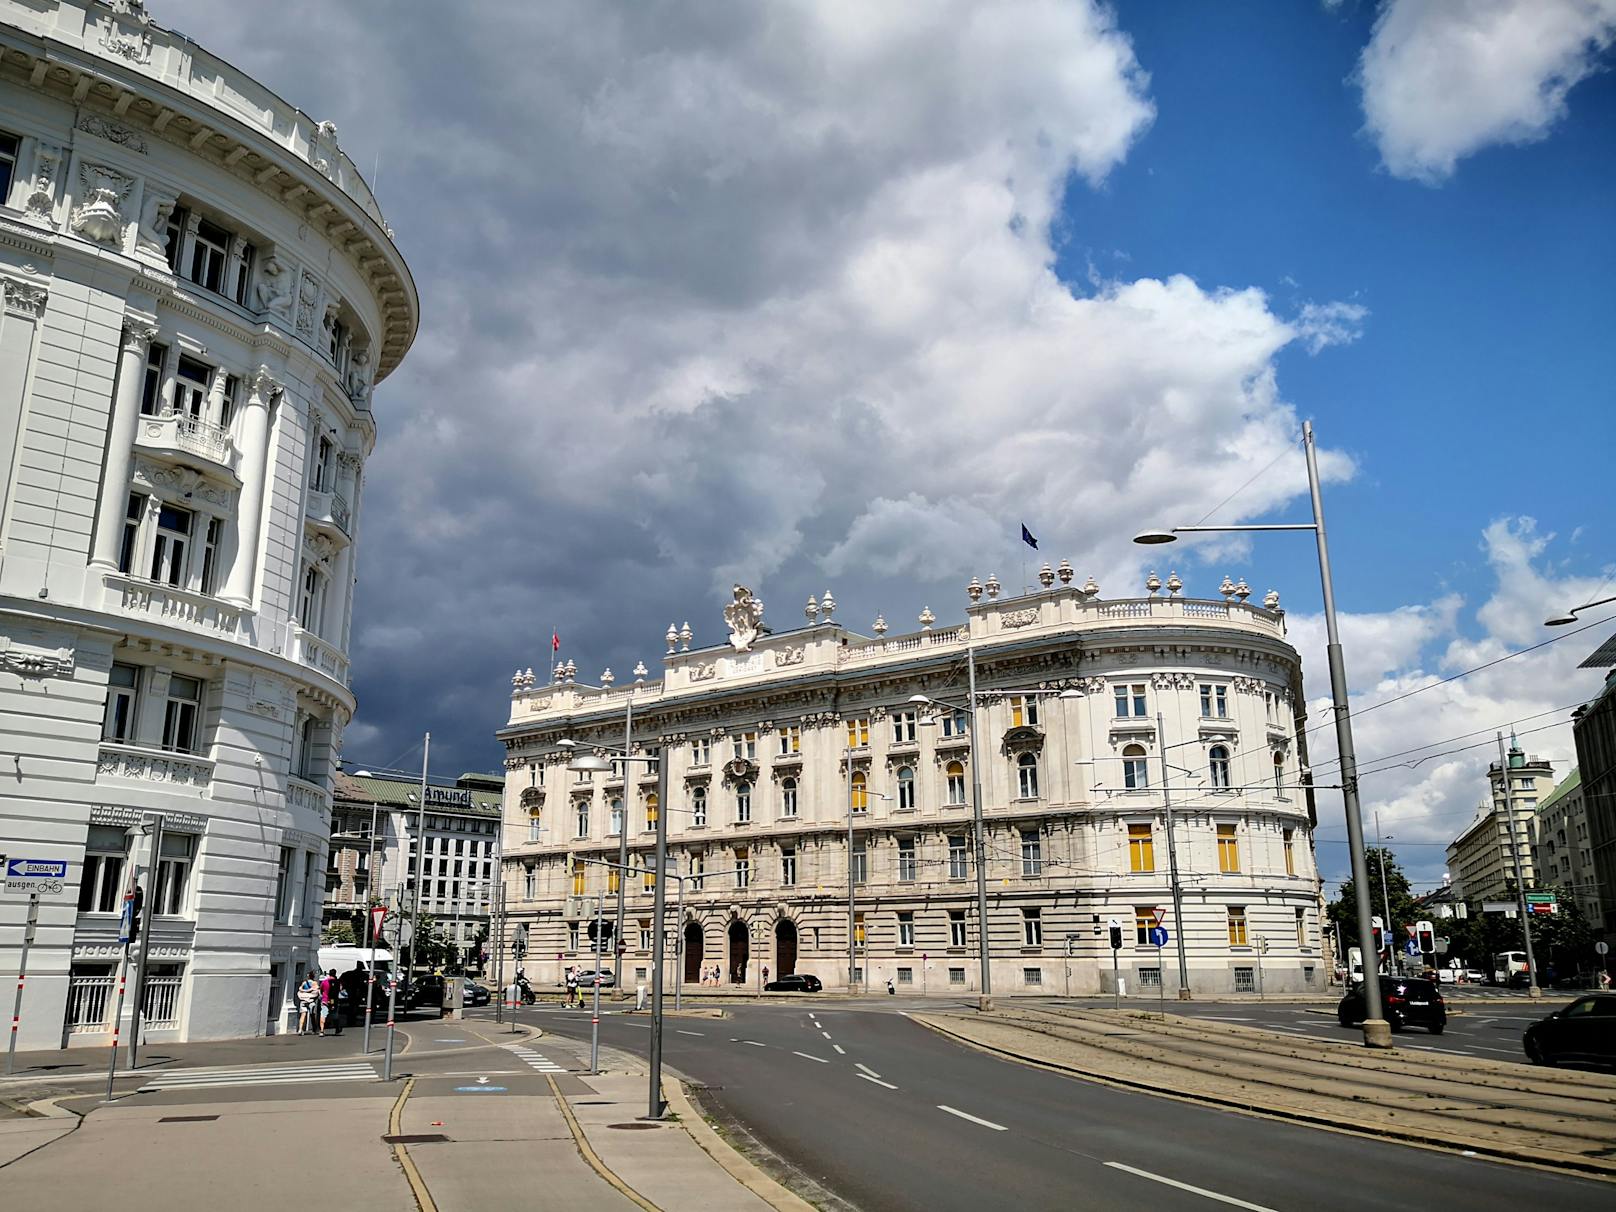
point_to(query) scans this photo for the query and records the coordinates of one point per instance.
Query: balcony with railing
(135, 763)
(178, 437)
(175, 607)
(310, 650)
(330, 514)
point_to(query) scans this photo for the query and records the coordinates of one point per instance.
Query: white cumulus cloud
(1444, 78)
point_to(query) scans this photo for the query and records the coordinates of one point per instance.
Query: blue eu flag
(1026, 537)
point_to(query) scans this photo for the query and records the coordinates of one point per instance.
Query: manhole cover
(634, 1127)
(415, 1138)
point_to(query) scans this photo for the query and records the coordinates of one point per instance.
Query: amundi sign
(449, 797)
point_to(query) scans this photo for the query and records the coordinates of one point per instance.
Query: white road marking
(876, 1080)
(754, 1043)
(1173, 1182)
(1227, 1018)
(807, 1056)
(986, 1123)
(842, 1051)
(261, 1075)
(866, 1069)
(826, 1034)
(682, 1031)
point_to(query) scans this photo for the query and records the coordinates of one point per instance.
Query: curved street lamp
(1561, 620)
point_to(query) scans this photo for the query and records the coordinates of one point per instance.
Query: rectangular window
(1024, 711)
(698, 864)
(858, 733)
(790, 741)
(1144, 917)
(1245, 980)
(212, 541)
(743, 868)
(181, 715)
(955, 776)
(101, 886)
(173, 537)
(173, 873)
(1141, 848)
(1237, 925)
(174, 236)
(903, 728)
(645, 935)
(907, 867)
(530, 883)
(858, 932)
(1032, 853)
(958, 867)
(320, 473)
(788, 866)
(210, 250)
(788, 798)
(861, 862)
(245, 255)
(572, 936)
(1150, 978)
(577, 881)
(743, 804)
(701, 751)
(698, 808)
(1032, 928)
(1228, 850)
(953, 724)
(123, 694)
(227, 402)
(1290, 851)
(652, 807)
(906, 929)
(1214, 701)
(9, 145)
(956, 927)
(648, 872)
(283, 886)
(131, 532)
(1032, 977)
(956, 976)
(906, 976)
(1301, 927)
(1130, 701)
(614, 879)
(191, 388)
(151, 388)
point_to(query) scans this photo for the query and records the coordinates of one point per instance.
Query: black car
(1409, 1002)
(425, 990)
(1582, 1033)
(473, 994)
(799, 982)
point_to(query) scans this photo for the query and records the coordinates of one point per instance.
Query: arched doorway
(695, 952)
(738, 952)
(785, 946)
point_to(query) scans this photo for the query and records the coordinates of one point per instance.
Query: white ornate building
(199, 293)
(773, 739)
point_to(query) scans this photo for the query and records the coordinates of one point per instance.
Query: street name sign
(47, 877)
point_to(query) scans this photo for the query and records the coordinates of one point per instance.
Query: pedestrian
(308, 997)
(891, 990)
(333, 993)
(572, 986)
(765, 974)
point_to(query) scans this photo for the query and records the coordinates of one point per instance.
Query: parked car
(473, 994)
(1582, 1033)
(1475, 975)
(1409, 1002)
(799, 982)
(588, 978)
(425, 990)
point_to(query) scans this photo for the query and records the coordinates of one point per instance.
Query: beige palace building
(774, 740)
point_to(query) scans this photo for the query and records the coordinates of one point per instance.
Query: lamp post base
(1377, 1033)
(985, 1002)
(1533, 991)
(1183, 994)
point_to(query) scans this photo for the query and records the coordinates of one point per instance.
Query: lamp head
(589, 762)
(918, 698)
(1153, 538)
(1070, 694)
(1559, 620)
(566, 743)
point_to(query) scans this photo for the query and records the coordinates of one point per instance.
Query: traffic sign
(1540, 898)
(378, 915)
(1158, 936)
(1159, 913)
(1411, 947)
(1601, 948)
(46, 876)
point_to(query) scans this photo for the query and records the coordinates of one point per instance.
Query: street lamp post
(420, 859)
(1561, 620)
(622, 846)
(1386, 900)
(1174, 885)
(1533, 989)
(1376, 1030)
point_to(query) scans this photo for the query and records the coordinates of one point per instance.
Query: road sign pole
(117, 1015)
(594, 1020)
(22, 975)
(1161, 985)
(1116, 980)
(148, 907)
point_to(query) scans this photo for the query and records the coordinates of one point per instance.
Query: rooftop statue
(745, 618)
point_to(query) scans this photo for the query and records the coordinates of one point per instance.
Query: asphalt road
(888, 1115)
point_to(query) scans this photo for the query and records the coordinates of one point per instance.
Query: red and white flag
(555, 641)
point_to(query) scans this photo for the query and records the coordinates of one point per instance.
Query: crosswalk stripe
(274, 1071)
(197, 1079)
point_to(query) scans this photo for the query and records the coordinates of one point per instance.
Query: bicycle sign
(47, 877)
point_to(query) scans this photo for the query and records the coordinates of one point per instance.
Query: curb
(740, 1168)
(1589, 1169)
(423, 1197)
(589, 1155)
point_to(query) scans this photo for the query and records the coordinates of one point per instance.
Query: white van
(1508, 965)
(346, 957)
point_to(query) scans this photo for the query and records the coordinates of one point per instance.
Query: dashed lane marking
(841, 1051)
(1173, 1182)
(682, 1031)
(986, 1123)
(876, 1080)
(866, 1069)
(810, 1056)
(754, 1043)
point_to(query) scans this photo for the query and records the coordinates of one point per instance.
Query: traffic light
(605, 931)
(519, 943)
(1116, 938)
(1425, 932)
(135, 907)
(1379, 929)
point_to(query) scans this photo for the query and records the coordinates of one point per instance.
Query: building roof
(1563, 788)
(484, 792)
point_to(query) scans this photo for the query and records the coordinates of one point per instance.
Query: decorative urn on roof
(974, 591)
(1046, 575)
(927, 618)
(1064, 572)
(1153, 583)
(993, 586)
(1173, 584)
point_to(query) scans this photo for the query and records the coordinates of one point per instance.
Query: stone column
(262, 388)
(109, 517)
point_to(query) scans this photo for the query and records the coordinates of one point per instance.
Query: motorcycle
(528, 996)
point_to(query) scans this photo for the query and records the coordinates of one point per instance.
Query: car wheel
(1536, 1054)
(1395, 1021)
(1344, 1017)
(1437, 1028)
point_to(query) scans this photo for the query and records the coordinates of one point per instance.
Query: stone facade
(199, 292)
(1562, 852)
(1479, 859)
(774, 741)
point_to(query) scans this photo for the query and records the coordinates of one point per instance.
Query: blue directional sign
(36, 869)
(1411, 947)
(1158, 936)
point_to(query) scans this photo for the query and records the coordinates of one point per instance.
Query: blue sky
(806, 295)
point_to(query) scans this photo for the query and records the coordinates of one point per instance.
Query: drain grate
(634, 1127)
(188, 1119)
(415, 1138)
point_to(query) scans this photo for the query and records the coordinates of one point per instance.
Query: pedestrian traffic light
(135, 908)
(1116, 938)
(519, 943)
(1425, 932)
(1379, 930)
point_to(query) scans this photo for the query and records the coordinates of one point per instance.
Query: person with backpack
(308, 999)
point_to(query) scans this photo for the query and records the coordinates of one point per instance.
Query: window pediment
(1023, 739)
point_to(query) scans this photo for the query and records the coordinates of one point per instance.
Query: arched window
(617, 815)
(955, 772)
(1218, 762)
(906, 787)
(652, 804)
(535, 824)
(698, 806)
(1027, 776)
(788, 797)
(1135, 777)
(583, 817)
(743, 803)
(861, 792)
(1279, 775)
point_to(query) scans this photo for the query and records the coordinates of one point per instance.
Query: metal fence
(162, 1001)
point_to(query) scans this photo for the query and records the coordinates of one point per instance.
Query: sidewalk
(1563, 1118)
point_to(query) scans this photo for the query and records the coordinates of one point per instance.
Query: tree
(1343, 911)
(338, 931)
(1562, 942)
